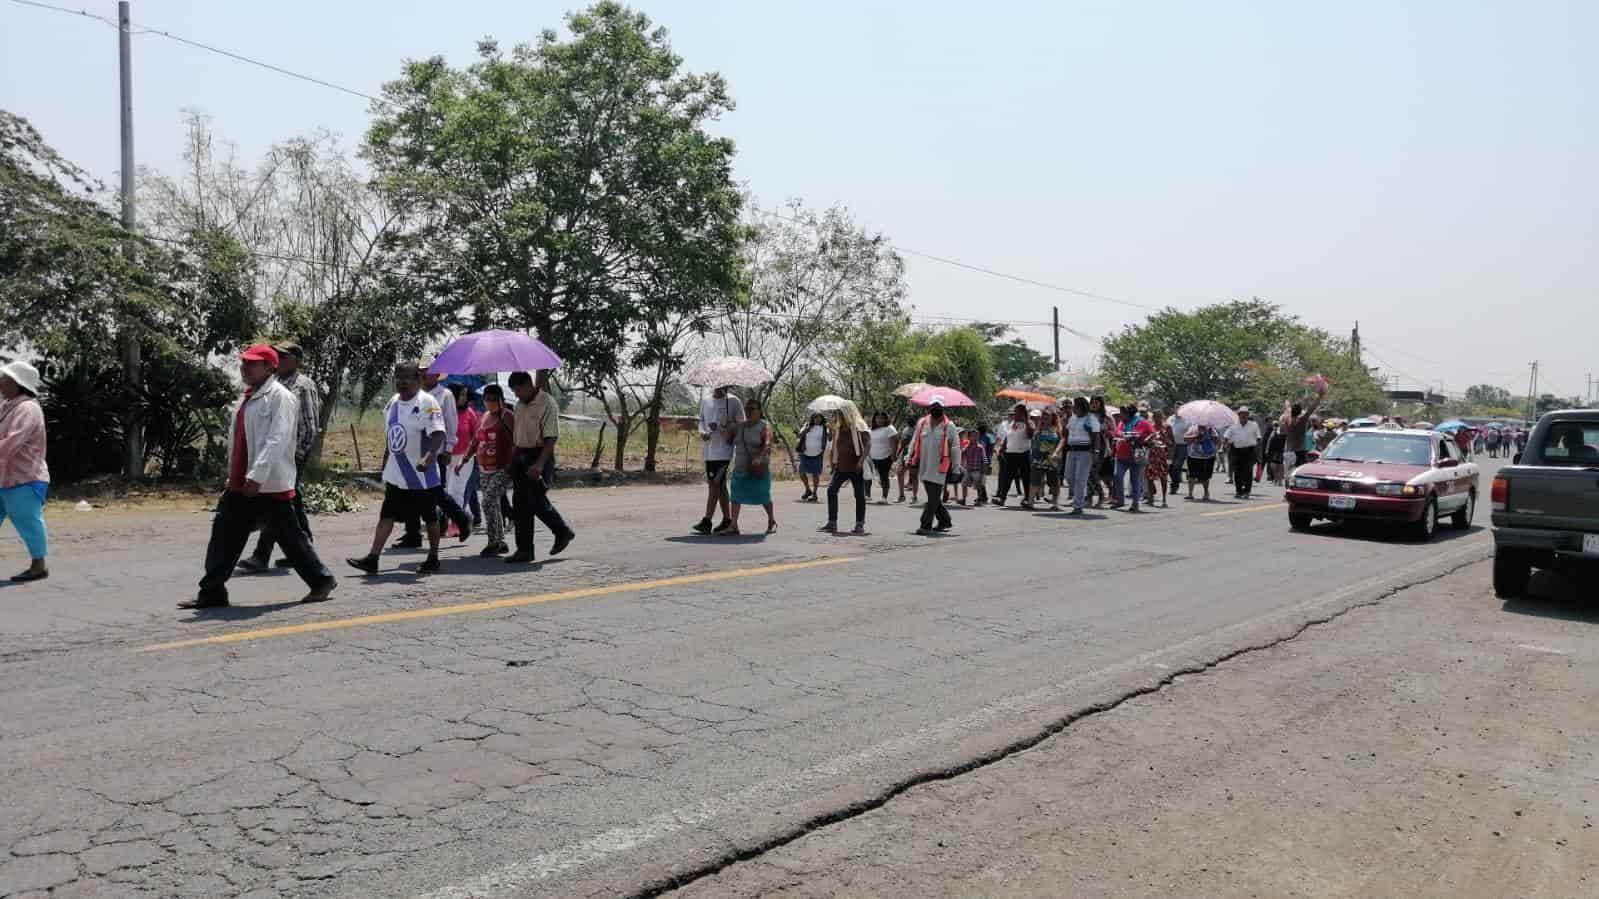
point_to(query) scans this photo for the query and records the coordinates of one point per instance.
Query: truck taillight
(1500, 496)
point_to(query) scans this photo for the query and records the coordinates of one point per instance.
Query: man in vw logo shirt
(411, 483)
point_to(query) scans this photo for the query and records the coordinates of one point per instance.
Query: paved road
(614, 722)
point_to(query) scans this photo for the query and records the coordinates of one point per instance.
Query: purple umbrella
(489, 352)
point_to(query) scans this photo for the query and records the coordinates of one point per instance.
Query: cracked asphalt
(595, 738)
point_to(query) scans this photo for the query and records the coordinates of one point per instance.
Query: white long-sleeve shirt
(447, 403)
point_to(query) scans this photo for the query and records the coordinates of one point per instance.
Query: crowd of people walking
(458, 461)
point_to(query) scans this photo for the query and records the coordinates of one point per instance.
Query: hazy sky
(1426, 167)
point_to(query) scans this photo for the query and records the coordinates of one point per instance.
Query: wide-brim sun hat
(26, 376)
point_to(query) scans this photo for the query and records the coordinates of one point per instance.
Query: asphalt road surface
(640, 714)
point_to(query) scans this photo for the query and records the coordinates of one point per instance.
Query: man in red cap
(260, 487)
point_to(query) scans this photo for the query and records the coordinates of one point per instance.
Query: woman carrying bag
(751, 481)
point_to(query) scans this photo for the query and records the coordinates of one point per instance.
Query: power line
(107, 20)
(240, 57)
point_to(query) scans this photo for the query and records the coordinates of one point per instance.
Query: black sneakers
(368, 564)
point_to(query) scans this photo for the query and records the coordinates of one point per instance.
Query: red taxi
(1408, 477)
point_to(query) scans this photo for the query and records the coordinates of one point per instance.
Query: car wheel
(1462, 519)
(1299, 521)
(1512, 571)
(1428, 525)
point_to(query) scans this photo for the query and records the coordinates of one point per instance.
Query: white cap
(26, 376)
(937, 400)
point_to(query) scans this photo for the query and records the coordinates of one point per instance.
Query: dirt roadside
(1440, 743)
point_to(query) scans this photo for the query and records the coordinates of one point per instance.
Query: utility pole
(1057, 338)
(132, 424)
(1532, 394)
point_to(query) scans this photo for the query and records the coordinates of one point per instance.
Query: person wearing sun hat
(24, 476)
(260, 486)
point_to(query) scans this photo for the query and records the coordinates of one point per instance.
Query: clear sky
(1424, 166)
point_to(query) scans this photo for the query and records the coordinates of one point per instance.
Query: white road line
(1551, 651)
(769, 794)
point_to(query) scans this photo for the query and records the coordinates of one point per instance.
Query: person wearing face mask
(935, 451)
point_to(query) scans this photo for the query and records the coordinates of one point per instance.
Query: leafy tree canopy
(567, 186)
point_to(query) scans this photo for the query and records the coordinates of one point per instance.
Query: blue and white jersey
(407, 424)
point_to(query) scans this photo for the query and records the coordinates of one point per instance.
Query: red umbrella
(948, 396)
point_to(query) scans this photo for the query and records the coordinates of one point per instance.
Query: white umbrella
(1209, 413)
(827, 402)
(726, 371)
(909, 390)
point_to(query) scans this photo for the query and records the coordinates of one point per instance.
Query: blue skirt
(810, 465)
(749, 491)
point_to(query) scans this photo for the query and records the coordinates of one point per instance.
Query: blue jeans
(1079, 470)
(24, 505)
(1135, 486)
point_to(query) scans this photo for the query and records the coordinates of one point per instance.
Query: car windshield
(1571, 443)
(1379, 447)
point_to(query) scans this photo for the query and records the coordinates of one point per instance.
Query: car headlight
(1396, 490)
(1304, 483)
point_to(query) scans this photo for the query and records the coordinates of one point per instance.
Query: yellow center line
(311, 627)
(1271, 507)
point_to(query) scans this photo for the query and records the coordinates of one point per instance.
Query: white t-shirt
(1080, 429)
(883, 441)
(408, 423)
(1015, 438)
(815, 439)
(1245, 435)
(727, 414)
(447, 404)
(1179, 429)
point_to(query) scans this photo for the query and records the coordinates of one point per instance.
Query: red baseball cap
(260, 353)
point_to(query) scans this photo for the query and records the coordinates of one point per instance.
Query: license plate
(1341, 503)
(1590, 544)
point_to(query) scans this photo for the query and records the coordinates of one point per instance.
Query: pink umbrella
(489, 352)
(949, 396)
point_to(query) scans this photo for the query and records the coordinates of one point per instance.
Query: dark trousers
(530, 499)
(854, 479)
(1179, 455)
(934, 507)
(1243, 468)
(1014, 468)
(236, 516)
(449, 509)
(265, 545)
(885, 471)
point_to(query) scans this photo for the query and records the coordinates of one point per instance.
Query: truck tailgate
(1554, 497)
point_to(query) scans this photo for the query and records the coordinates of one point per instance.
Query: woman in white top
(812, 447)
(885, 448)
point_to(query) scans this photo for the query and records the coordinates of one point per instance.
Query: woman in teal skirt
(750, 483)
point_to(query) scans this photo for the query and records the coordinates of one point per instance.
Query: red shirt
(239, 459)
(465, 427)
(1140, 427)
(493, 442)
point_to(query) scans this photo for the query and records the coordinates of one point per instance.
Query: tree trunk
(599, 447)
(652, 433)
(623, 427)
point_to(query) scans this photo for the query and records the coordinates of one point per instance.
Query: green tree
(1174, 357)
(559, 186)
(959, 358)
(1014, 361)
(1489, 395)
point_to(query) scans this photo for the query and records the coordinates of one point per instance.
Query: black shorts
(400, 504)
(715, 469)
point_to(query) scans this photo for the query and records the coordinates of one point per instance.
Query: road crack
(1053, 728)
